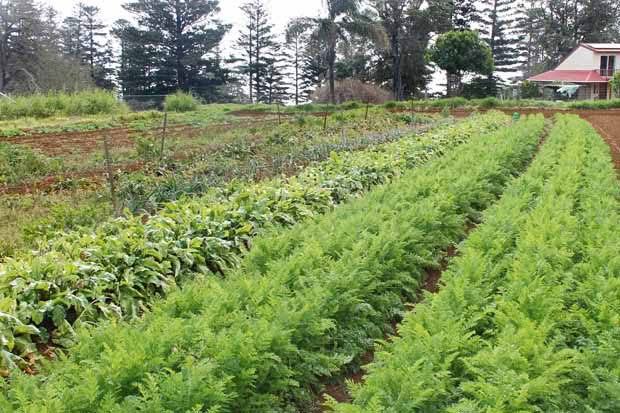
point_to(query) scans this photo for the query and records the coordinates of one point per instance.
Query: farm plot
(189, 167)
(80, 154)
(119, 269)
(606, 121)
(304, 305)
(527, 319)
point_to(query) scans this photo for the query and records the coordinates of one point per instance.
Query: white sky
(281, 11)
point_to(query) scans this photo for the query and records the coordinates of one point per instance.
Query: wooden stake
(342, 126)
(108, 165)
(279, 119)
(325, 122)
(163, 138)
(367, 104)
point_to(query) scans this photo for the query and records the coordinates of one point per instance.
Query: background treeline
(170, 45)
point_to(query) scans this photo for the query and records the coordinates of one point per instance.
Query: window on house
(608, 65)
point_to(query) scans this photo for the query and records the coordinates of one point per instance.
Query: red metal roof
(577, 76)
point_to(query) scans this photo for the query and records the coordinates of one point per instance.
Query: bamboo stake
(110, 177)
(163, 138)
(342, 126)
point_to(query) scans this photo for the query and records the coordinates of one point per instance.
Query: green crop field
(345, 206)
(261, 270)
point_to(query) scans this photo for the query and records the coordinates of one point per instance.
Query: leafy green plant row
(119, 269)
(492, 102)
(287, 149)
(305, 303)
(141, 193)
(527, 319)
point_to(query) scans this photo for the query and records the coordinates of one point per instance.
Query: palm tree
(343, 17)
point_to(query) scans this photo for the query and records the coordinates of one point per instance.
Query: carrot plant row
(119, 269)
(528, 318)
(304, 304)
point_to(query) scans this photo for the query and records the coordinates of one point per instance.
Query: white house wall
(580, 59)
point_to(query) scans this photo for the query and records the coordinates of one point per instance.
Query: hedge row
(119, 269)
(527, 320)
(305, 302)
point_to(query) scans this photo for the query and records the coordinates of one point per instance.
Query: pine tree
(21, 24)
(96, 51)
(499, 19)
(256, 43)
(170, 46)
(297, 35)
(313, 67)
(275, 74)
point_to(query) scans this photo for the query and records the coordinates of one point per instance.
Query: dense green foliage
(527, 319)
(120, 268)
(615, 84)
(19, 161)
(305, 302)
(491, 102)
(170, 45)
(60, 104)
(181, 102)
(459, 53)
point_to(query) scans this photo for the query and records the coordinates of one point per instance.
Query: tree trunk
(179, 48)
(396, 69)
(296, 71)
(331, 63)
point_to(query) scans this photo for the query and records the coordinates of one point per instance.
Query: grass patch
(181, 102)
(61, 104)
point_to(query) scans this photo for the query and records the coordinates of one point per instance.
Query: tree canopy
(460, 53)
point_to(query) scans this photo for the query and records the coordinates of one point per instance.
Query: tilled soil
(609, 128)
(67, 143)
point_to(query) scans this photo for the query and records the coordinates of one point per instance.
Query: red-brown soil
(609, 128)
(68, 143)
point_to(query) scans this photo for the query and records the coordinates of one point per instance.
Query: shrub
(19, 161)
(91, 102)
(530, 90)
(488, 103)
(349, 90)
(595, 104)
(181, 102)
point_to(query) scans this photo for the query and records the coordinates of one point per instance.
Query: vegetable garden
(255, 291)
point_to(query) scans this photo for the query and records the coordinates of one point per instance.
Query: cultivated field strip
(527, 319)
(121, 268)
(304, 304)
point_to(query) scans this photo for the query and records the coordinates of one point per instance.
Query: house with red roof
(585, 72)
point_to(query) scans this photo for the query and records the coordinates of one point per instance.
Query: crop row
(305, 303)
(119, 269)
(527, 320)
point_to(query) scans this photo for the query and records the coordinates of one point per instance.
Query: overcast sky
(281, 11)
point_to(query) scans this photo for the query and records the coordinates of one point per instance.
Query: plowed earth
(66, 143)
(83, 143)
